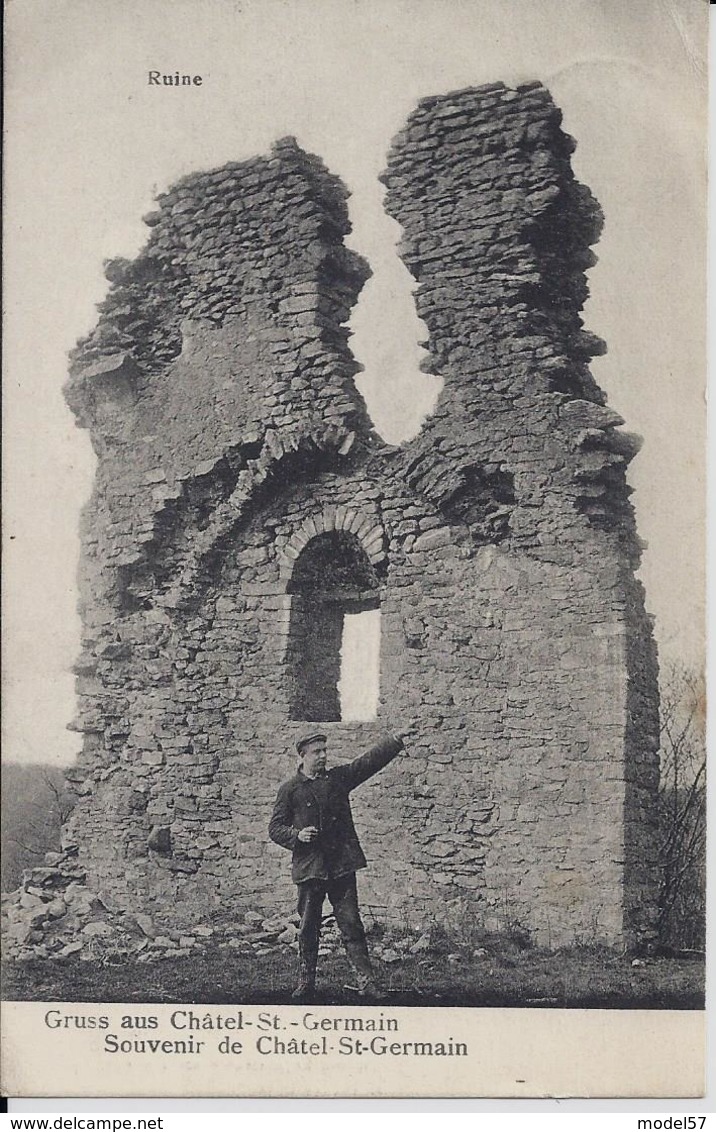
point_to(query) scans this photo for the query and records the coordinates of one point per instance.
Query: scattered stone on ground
(53, 915)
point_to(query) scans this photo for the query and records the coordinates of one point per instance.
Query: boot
(306, 986)
(359, 959)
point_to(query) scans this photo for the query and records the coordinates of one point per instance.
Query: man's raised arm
(376, 758)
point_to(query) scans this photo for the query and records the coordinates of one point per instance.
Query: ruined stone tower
(243, 509)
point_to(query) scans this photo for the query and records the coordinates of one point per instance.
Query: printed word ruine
(156, 78)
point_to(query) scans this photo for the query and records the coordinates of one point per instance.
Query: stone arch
(367, 529)
(332, 581)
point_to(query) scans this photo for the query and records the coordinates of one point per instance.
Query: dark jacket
(325, 803)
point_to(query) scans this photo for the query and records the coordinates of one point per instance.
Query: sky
(89, 143)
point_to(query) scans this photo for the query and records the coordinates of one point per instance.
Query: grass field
(508, 976)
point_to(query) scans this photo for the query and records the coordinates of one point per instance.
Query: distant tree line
(35, 803)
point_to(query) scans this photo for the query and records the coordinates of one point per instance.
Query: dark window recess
(333, 578)
(484, 501)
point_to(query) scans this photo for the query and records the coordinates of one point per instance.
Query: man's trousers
(343, 895)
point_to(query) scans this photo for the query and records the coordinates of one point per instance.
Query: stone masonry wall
(496, 231)
(499, 544)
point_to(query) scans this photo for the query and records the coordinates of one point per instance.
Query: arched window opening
(333, 646)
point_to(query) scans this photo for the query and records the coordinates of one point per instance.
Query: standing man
(312, 817)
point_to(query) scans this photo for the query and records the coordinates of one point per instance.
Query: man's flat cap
(309, 737)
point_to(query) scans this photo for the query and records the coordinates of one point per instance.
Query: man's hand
(308, 833)
(406, 731)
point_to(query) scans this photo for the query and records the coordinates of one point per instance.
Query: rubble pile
(54, 915)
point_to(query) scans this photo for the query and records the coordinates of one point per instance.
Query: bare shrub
(682, 811)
